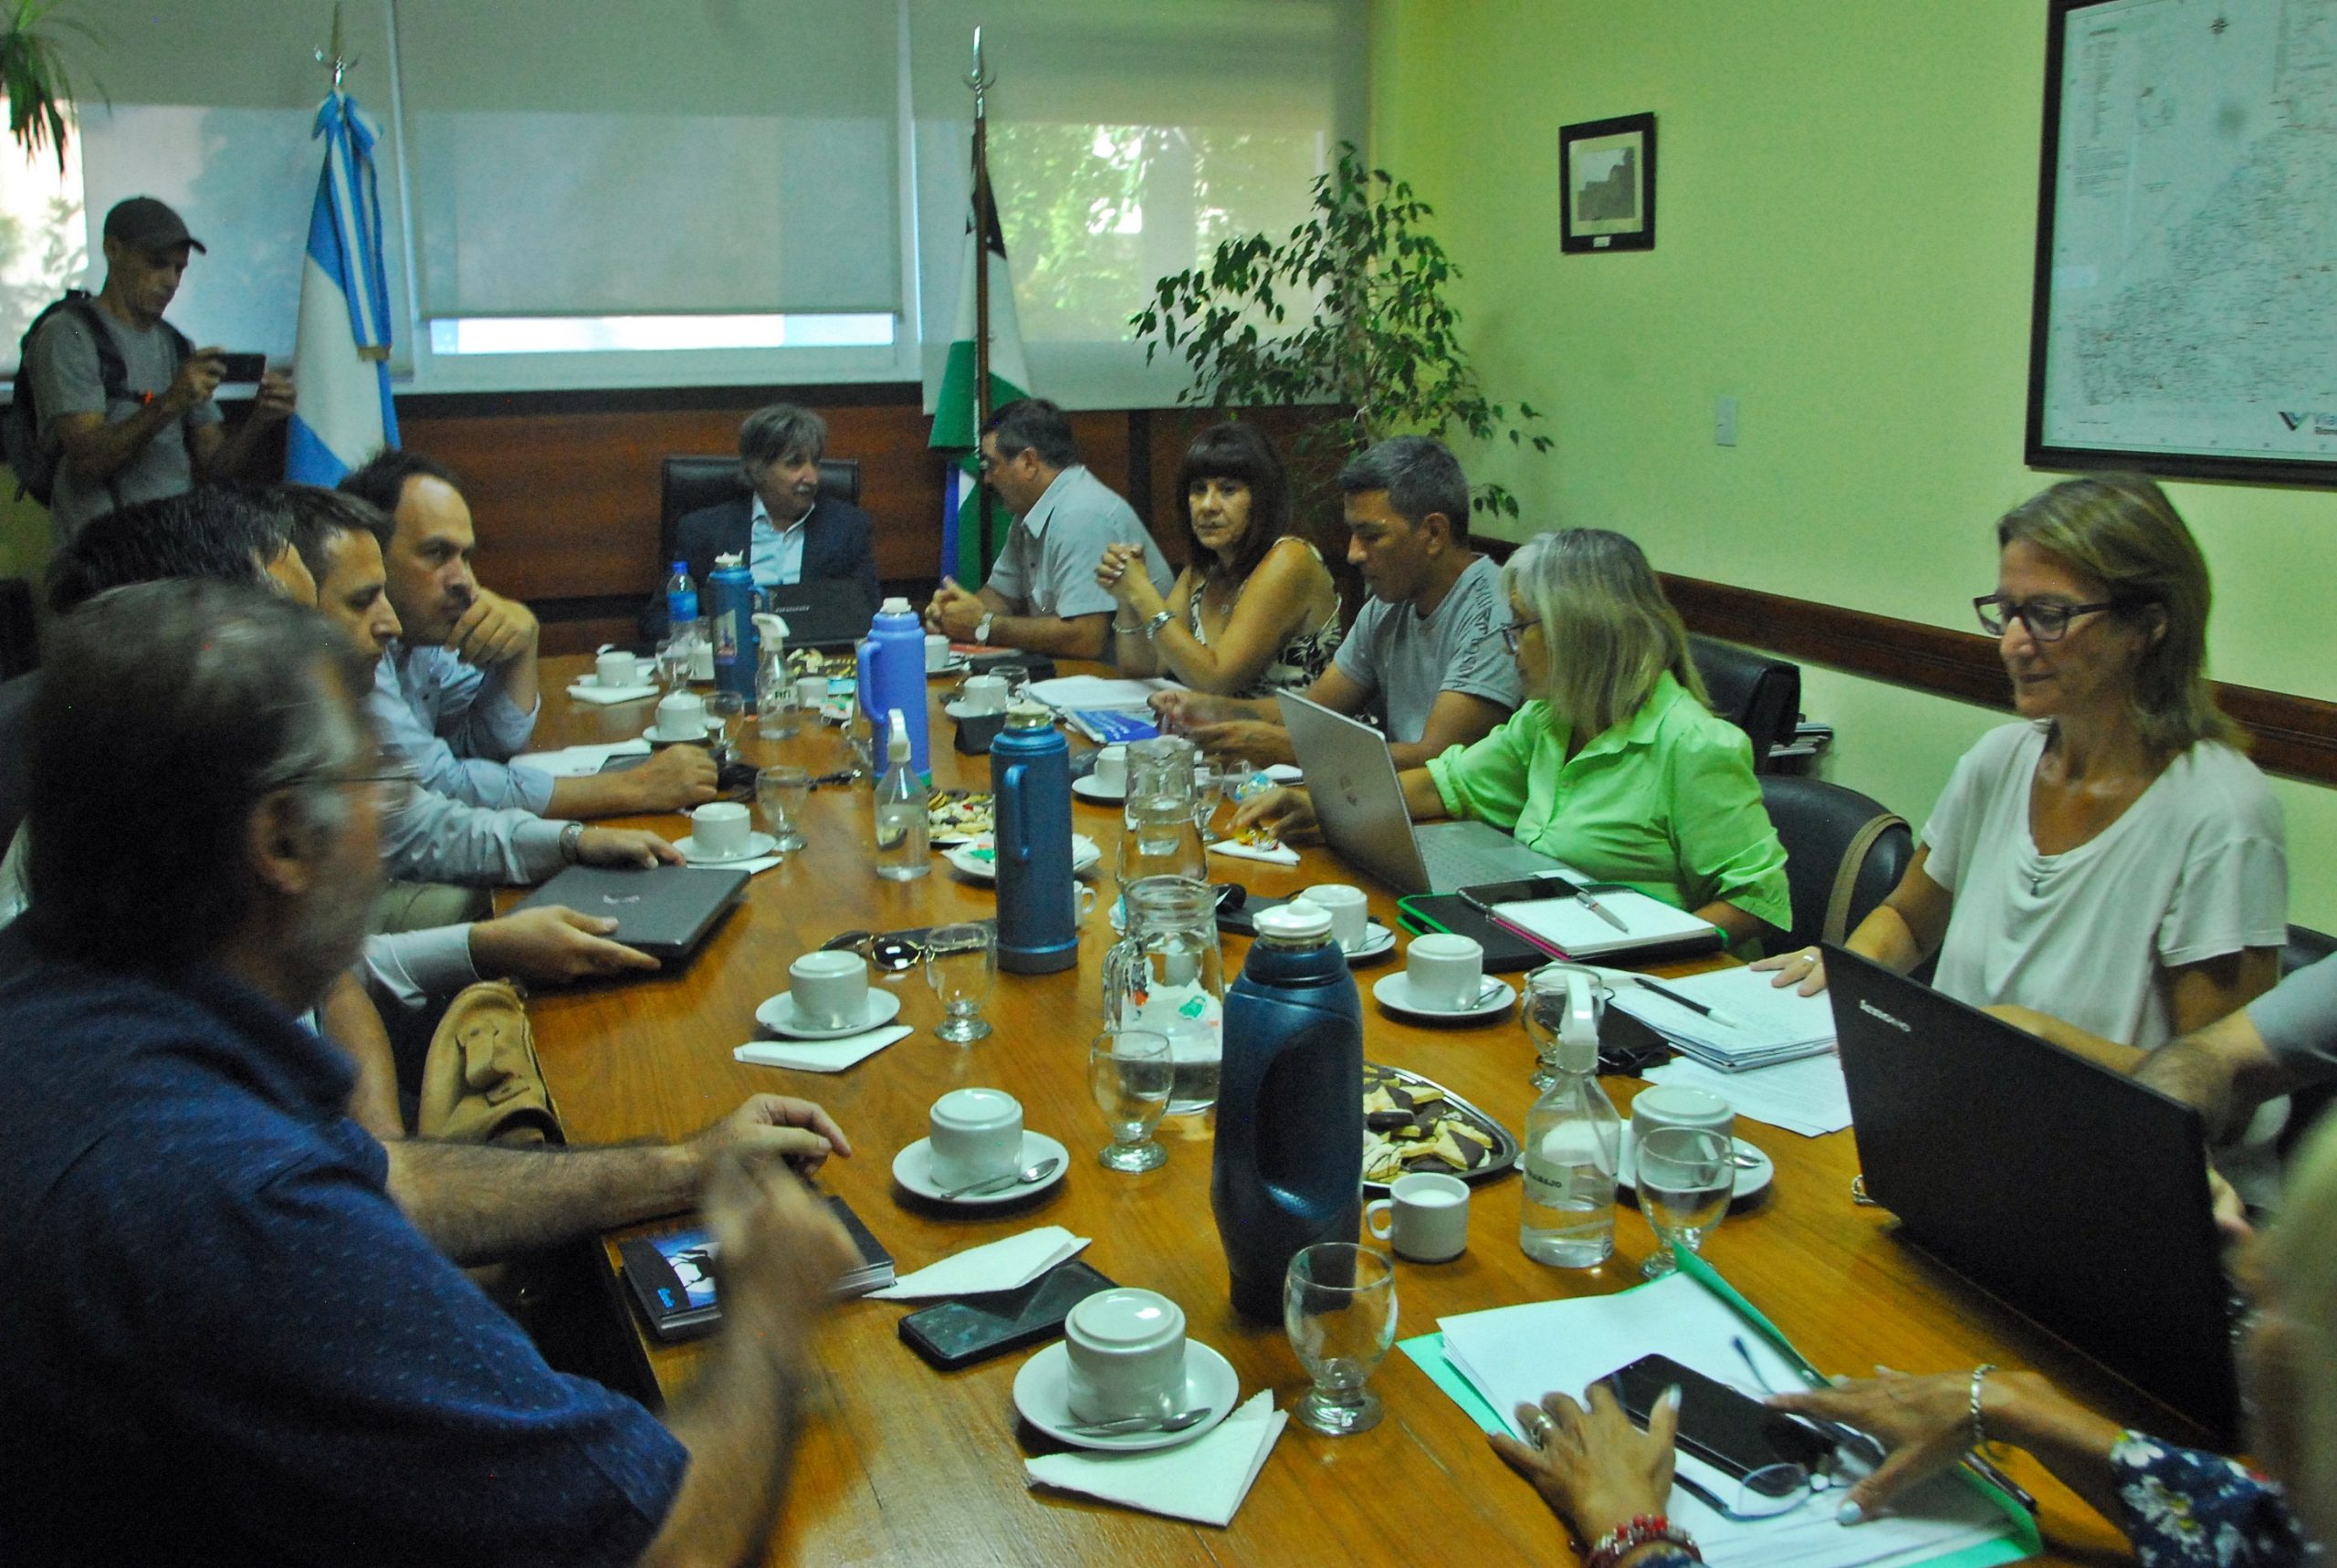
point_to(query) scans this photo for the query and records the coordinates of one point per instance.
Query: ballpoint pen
(1600, 910)
(1726, 1019)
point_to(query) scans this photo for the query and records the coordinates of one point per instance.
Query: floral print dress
(2185, 1509)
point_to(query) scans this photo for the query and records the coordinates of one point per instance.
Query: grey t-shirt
(1406, 660)
(62, 362)
(2297, 1018)
(1048, 566)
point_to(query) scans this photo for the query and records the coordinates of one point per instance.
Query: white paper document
(1753, 1023)
(1098, 691)
(1807, 1097)
(579, 761)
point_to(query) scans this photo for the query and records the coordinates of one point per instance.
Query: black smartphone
(1242, 919)
(975, 1328)
(1719, 1425)
(243, 367)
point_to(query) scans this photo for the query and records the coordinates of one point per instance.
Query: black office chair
(1844, 854)
(19, 638)
(689, 482)
(1759, 695)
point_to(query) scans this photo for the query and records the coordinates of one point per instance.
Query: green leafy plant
(1375, 335)
(32, 75)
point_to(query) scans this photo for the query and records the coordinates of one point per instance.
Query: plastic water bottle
(1038, 901)
(902, 851)
(1287, 1169)
(681, 599)
(1572, 1149)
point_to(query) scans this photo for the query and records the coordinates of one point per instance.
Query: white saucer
(589, 682)
(957, 714)
(1378, 942)
(757, 846)
(1042, 1394)
(1394, 992)
(1089, 789)
(779, 1016)
(966, 856)
(1748, 1180)
(913, 1168)
(955, 664)
(655, 736)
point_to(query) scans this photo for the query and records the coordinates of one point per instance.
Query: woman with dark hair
(1254, 611)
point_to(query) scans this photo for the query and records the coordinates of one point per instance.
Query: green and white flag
(956, 424)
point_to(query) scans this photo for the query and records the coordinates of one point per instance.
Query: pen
(1600, 910)
(1726, 1020)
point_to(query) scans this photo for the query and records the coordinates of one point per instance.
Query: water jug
(1038, 902)
(1288, 1166)
(892, 676)
(1167, 975)
(732, 600)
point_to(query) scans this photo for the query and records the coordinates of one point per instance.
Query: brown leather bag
(481, 1083)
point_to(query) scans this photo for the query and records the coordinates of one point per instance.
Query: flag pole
(980, 80)
(331, 56)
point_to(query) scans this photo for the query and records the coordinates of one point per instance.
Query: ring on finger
(1538, 1426)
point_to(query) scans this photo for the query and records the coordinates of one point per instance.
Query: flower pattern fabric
(2185, 1509)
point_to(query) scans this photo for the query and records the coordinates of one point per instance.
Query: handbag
(481, 1083)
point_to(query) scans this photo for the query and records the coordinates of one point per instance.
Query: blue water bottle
(1038, 902)
(731, 596)
(892, 676)
(1288, 1166)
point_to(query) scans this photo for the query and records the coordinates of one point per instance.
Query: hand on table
(549, 944)
(625, 847)
(954, 613)
(493, 631)
(1593, 1467)
(1804, 970)
(1924, 1425)
(770, 1126)
(676, 779)
(1281, 810)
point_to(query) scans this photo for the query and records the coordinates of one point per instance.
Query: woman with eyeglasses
(2111, 860)
(1617, 764)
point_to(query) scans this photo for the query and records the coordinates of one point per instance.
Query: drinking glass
(674, 662)
(960, 965)
(729, 710)
(781, 792)
(1338, 1303)
(1686, 1176)
(1129, 1073)
(1544, 1013)
(1209, 789)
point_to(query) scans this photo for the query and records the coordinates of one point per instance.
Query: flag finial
(979, 78)
(330, 55)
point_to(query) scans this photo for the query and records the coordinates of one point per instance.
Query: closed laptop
(665, 911)
(830, 612)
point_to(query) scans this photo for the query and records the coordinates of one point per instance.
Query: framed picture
(1607, 179)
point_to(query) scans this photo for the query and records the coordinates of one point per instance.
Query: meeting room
(1236, 781)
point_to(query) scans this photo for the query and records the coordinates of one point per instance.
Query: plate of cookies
(1414, 1123)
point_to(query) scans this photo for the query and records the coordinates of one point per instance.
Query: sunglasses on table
(890, 952)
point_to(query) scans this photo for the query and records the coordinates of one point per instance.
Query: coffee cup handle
(1086, 901)
(1376, 1210)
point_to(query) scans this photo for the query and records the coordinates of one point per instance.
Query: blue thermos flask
(892, 676)
(1288, 1166)
(731, 602)
(1038, 902)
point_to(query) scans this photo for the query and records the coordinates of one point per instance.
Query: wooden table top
(906, 1464)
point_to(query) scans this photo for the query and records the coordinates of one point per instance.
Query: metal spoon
(1023, 1177)
(1128, 1426)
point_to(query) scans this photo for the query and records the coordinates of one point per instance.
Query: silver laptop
(1360, 805)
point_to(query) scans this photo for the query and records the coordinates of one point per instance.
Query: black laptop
(2075, 1194)
(665, 911)
(832, 613)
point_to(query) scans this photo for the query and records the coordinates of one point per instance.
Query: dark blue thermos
(1288, 1169)
(1038, 902)
(731, 602)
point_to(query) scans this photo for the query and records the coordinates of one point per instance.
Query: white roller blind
(607, 157)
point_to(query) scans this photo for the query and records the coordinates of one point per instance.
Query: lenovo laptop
(2064, 1187)
(665, 911)
(832, 613)
(1359, 805)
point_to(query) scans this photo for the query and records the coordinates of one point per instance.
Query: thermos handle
(1011, 795)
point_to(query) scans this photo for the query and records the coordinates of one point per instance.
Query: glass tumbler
(961, 965)
(1686, 1176)
(1129, 1073)
(783, 793)
(1338, 1305)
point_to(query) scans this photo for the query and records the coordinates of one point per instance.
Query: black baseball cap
(149, 226)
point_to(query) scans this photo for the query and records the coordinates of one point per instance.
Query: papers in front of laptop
(1099, 691)
(1513, 1355)
(1752, 1023)
(1807, 1097)
(579, 761)
(1569, 927)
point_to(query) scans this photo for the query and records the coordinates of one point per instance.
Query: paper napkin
(604, 696)
(820, 1055)
(996, 1266)
(1203, 1481)
(1279, 854)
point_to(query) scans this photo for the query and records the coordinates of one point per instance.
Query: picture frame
(1607, 184)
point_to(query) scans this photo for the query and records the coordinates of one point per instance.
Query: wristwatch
(981, 627)
(569, 837)
(1152, 627)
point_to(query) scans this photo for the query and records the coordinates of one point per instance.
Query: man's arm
(351, 1021)
(1251, 728)
(500, 637)
(2226, 1069)
(96, 450)
(1080, 637)
(1456, 718)
(215, 456)
(676, 779)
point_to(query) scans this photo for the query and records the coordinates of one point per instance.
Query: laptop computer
(665, 911)
(831, 612)
(2064, 1187)
(1359, 805)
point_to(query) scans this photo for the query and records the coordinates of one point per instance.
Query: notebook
(672, 1273)
(1572, 929)
(665, 912)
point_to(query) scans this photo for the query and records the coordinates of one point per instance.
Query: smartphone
(975, 1328)
(1719, 1425)
(243, 367)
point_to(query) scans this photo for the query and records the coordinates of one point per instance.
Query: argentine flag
(340, 367)
(965, 554)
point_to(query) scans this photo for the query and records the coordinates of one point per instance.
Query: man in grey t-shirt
(2284, 1039)
(1425, 655)
(159, 434)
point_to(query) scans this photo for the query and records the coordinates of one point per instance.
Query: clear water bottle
(1572, 1149)
(681, 599)
(903, 849)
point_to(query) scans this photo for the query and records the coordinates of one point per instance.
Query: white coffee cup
(1111, 773)
(983, 694)
(810, 690)
(1349, 910)
(1676, 1105)
(1445, 970)
(974, 1134)
(830, 989)
(681, 716)
(719, 830)
(936, 652)
(617, 667)
(1427, 1215)
(1127, 1351)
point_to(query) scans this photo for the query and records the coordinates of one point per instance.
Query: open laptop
(832, 613)
(665, 911)
(1360, 806)
(2065, 1188)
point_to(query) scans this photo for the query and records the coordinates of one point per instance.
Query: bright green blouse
(1666, 802)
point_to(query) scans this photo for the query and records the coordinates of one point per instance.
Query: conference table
(900, 1463)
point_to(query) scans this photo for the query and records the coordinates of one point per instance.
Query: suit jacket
(838, 542)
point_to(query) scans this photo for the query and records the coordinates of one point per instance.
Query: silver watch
(571, 837)
(981, 627)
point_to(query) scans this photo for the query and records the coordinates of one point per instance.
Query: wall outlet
(1724, 423)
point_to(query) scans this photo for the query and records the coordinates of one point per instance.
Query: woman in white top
(2110, 861)
(1254, 611)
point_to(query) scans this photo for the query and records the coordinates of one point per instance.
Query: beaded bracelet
(1639, 1530)
(1979, 1432)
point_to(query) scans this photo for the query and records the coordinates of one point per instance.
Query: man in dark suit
(786, 530)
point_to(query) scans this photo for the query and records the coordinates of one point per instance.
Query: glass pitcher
(1167, 975)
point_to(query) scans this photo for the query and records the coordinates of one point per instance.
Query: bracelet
(1152, 627)
(1639, 1530)
(1126, 628)
(571, 837)
(1979, 1432)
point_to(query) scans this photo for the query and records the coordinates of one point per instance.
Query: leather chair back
(1759, 695)
(688, 483)
(1844, 854)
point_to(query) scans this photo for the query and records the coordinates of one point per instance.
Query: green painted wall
(1846, 215)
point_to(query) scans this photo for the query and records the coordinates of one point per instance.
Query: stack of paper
(579, 761)
(1807, 1097)
(1750, 1022)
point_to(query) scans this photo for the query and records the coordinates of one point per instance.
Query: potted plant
(32, 75)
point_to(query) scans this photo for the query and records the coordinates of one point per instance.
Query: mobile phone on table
(975, 1328)
(242, 367)
(1723, 1427)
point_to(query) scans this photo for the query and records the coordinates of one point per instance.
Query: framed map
(2184, 319)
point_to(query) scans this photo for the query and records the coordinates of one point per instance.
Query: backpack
(34, 459)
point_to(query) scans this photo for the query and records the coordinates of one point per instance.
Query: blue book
(1113, 726)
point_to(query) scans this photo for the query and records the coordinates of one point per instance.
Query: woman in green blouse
(1615, 765)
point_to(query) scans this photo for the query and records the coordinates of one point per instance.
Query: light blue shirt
(455, 728)
(775, 555)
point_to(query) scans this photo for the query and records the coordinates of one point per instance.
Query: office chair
(688, 482)
(1844, 854)
(19, 638)
(1759, 695)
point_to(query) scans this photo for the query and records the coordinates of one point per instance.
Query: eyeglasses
(1514, 633)
(2048, 622)
(1763, 1493)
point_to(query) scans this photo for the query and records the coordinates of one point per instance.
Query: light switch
(1724, 423)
